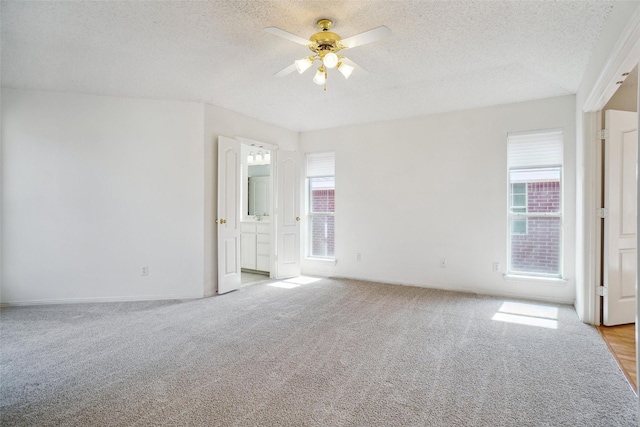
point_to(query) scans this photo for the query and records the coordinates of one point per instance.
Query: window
(321, 185)
(535, 203)
(518, 199)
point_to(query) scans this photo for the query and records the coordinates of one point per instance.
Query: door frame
(273, 183)
(274, 272)
(623, 57)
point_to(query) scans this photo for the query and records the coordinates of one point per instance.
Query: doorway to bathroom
(256, 212)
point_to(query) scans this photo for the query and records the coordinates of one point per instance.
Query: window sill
(327, 260)
(534, 279)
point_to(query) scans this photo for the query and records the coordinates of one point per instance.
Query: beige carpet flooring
(326, 353)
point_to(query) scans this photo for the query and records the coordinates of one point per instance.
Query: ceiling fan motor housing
(325, 42)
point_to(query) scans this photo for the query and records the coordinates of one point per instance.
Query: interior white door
(620, 185)
(229, 260)
(288, 215)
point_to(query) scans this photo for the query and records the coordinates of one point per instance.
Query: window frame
(310, 214)
(527, 215)
(532, 151)
(512, 207)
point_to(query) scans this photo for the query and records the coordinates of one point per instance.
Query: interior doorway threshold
(622, 344)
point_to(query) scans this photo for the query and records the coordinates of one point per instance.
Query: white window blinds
(531, 149)
(321, 164)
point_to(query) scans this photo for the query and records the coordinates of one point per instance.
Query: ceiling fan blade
(287, 35)
(290, 69)
(367, 37)
(354, 65)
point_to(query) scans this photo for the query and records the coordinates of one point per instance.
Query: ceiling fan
(325, 46)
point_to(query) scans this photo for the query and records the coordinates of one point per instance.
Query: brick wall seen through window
(538, 250)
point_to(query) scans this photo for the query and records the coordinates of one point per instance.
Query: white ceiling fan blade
(287, 35)
(367, 37)
(358, 68)
(290, 69)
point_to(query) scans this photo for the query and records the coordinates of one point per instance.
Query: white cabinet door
(263, 247)
(228, 214)
(288, 215)
(249, 251)
(620, 224)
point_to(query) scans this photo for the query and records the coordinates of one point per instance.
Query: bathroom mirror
(257, 182)
(258, 190)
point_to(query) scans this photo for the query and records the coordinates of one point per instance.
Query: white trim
(596, 255)
(624, 56)
(255, 143)
(99, 300)
(474, 291)
(513, 277)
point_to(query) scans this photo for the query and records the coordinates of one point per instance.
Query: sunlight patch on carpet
(528, 314)
(294, 282)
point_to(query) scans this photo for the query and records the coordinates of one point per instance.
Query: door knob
(297, 218)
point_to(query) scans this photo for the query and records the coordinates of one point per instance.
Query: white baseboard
(97, 300)
(476, 291)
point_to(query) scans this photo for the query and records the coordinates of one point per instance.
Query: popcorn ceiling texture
(442, 56)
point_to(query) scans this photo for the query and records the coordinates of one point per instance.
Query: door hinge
(603, 134)
(601, 291)
(602, 212)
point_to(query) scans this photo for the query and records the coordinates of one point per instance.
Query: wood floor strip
(621, 341)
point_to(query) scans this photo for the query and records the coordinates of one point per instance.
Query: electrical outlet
(145, 271)
(358, 256)
(443, 263)
(496, 267)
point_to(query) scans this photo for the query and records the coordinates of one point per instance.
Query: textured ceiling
(442, 56)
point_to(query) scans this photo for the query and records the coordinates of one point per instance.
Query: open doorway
(282, 230)
(618, 225)
(256, 213)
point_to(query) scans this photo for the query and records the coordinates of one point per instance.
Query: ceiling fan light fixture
(321, 77)
(330, 60)
(345, 69)
(326, 47)
(303, 64)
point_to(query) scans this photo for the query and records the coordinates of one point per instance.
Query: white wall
(95, 188)
(412, 192)
(218, 121)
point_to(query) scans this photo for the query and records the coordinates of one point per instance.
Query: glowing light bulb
(320, 78)
(303, 64)
(345, 69)
(330, 60)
